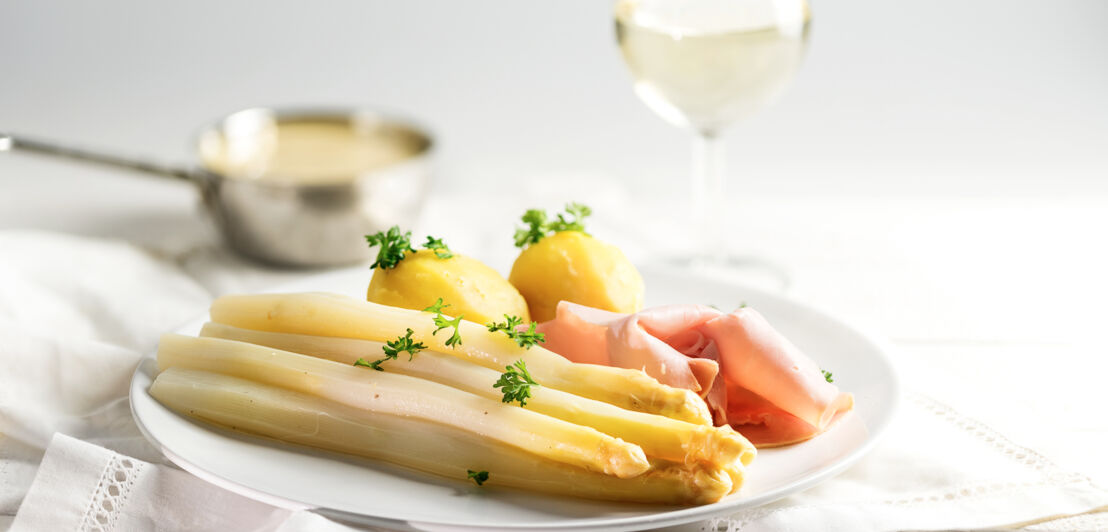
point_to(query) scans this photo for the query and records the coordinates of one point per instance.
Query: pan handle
(9, 142)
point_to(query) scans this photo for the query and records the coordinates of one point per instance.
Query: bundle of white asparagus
(283, 366)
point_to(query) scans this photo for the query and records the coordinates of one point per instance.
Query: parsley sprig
(442, 323)
(525, 339)
(827, 375)
(402, 344)
(394, 246)
(376, 364)
(535, 230)
(516, 383)
(477, 476)
(538, 226)
(440, 248)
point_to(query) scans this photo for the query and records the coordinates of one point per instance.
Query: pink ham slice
(579, 333)
(640, 341)
(751, 376)
(762, 422)
(758, 358)
(637, 341)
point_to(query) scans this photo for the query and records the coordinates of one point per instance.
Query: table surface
(995, 305)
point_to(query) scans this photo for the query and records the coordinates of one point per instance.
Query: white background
(980, 97)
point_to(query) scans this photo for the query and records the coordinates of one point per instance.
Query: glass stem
(707, 200)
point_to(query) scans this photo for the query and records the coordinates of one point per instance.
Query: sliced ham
(751, 376)
(762, 422)
(758, 358)
(579, 333)
(637, 341)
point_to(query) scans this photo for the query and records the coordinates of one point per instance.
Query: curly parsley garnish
(437, 306)
(396, 245)
(516, 383)
(440, 248)
(579, 213)
(477, 476)
(442, 323)
(402, 344)
(827, 375)
(535, 230)
(538, 225)
(525, 339)
(376, 364)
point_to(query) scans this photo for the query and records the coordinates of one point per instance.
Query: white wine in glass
(704, 64)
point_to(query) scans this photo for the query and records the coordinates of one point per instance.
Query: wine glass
(702, 65)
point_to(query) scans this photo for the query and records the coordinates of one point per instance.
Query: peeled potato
(575, 267)
(471, 288)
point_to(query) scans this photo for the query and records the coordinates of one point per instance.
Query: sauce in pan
(306, 150)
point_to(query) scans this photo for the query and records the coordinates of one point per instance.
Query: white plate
(361, 491)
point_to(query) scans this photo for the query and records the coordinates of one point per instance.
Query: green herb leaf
(442, 251)
(477, 476)
(393, 349)
(537, 225)
(393, 246)
(827, 375)
(376, 364)
(516, 383)
(578, 211)
(403, 344)
(442, 323)
(525, 339)
(535, 230)
(436, 307)
(509, 325)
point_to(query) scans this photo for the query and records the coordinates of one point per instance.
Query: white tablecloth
(990, 303)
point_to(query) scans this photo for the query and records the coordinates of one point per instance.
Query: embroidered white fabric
(937, 470)
(111, 494)
(86, 488)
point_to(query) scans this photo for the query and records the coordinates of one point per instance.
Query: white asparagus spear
(419, 444)
(323, 314)
(659, 436)
(391, 393)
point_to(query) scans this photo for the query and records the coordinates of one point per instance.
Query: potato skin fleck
(575, 267)
(470, 287)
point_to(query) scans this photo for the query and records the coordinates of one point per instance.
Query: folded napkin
(80, 486)
(76, 316)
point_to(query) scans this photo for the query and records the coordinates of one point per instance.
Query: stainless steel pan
(288, 222)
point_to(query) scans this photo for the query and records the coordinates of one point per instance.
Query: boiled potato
(469, 286)
(575, 267)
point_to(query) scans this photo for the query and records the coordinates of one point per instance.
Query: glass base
(742, 269)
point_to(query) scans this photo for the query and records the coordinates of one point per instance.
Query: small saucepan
(295, 187)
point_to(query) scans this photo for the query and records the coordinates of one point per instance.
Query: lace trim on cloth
(1051, 473)
(111, 494)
